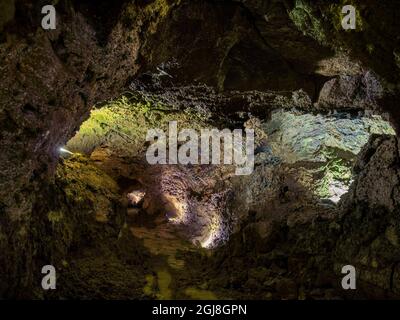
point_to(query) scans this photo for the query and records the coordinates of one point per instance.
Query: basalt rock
(278, 244)
(351, 93)
(84, 207)
(370, 227)
(49, 82)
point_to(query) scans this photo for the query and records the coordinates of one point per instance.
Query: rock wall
(370, 224)
(295, 248)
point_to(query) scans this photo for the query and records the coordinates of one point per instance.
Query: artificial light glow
(63, 150)
(135, 197)
(213, 235)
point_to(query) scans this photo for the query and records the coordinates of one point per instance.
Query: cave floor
(170, 276)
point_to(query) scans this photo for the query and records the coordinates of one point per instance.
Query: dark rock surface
(370, 224)
(49, 82)
(360, 92)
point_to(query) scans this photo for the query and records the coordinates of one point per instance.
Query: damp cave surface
(275, 133)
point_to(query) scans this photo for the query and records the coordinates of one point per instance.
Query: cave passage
(177, 211)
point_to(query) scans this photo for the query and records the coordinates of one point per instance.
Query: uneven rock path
(168, 267)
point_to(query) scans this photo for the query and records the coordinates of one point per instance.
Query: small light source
(337, 189)
(63, 150)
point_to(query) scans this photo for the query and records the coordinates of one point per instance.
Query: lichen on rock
(329, 144)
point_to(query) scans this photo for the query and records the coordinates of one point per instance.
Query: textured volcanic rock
(83, 208)
(296, 136)
(49, 81)
(288, 240)
(87, 238)
(325, 147)
(315, 43)
(358, 92)
(241, 58)
(122, 124)
(281, 249)
(377, 169)
(370, 233)
(191, 197)
(375, 42)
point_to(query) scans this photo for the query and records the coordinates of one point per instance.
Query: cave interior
(78, 192)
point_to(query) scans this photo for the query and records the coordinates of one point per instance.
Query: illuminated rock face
(197, 205)
(314, 152)
(325, 146)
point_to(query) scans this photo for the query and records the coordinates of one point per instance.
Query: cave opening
(302, 158)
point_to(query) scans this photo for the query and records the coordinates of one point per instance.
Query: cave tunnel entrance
(299, 155)
(116, 226)
(303, 168)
